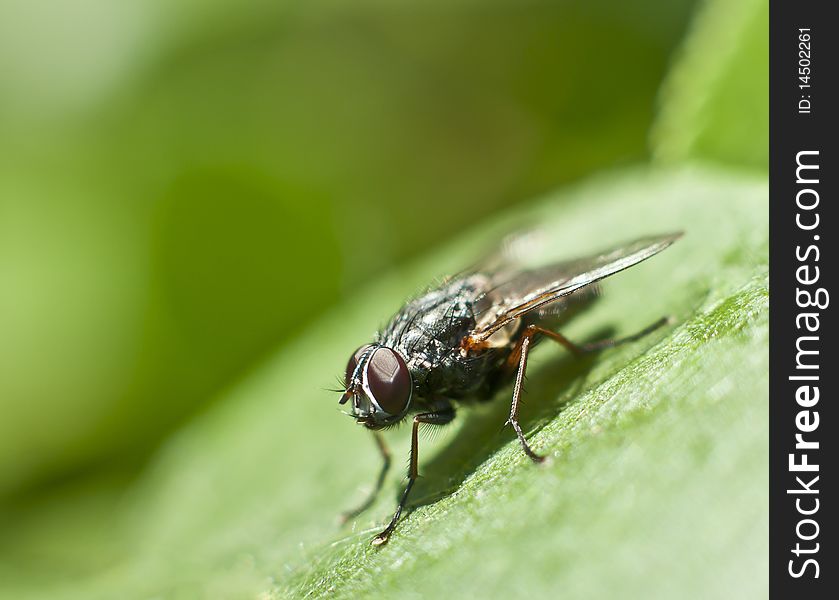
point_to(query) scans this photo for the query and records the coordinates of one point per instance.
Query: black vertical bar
(803, 173)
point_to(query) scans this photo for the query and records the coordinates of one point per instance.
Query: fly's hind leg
(519, 358)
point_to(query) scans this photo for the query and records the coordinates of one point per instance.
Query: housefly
(464, 339)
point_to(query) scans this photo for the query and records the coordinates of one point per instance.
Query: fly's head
(379, 385)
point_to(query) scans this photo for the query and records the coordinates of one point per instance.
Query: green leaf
(715, 101)
(657, 484)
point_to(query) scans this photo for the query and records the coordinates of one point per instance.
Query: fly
(466, 338)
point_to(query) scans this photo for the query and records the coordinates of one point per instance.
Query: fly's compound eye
(389, 381)
(353, 363)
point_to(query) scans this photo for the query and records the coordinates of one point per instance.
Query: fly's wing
(507, 257)
(518, 294)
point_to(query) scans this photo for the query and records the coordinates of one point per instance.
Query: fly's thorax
(428, 331)
(431, 325)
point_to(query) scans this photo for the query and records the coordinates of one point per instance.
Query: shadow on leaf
(549, 389)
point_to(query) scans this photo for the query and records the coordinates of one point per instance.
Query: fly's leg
(523, 346)
(611, 343)
(583, 349)
(385, 452)
(439, 417)
(519, 355)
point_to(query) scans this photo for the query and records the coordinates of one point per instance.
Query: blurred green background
(184, 186)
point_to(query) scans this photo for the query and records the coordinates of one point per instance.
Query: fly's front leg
(439, 417)
(383, 450)
(519, 357)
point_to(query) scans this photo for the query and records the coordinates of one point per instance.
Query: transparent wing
(516, 294)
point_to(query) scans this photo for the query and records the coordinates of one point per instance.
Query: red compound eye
(389, 381)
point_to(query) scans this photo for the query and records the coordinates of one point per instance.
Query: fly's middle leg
(519, 358)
